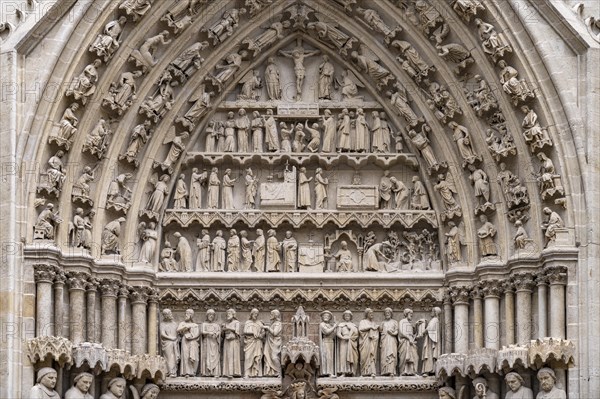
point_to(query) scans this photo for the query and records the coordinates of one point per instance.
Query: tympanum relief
(302, 151)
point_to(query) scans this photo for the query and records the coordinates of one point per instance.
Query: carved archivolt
(392, 125)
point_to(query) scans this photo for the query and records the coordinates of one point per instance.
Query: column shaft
(109, 320)
(44, 275)
(44, 309)
(492, 289)
(557, 310)
(59, 307)
(542, 310)
(76, 312)
(140, 321)
(152, 327)
(492, 322)
(509, 310)
(477, 321)
(92, 333)
(448, 329)
(122, 322)
(461, 325)
(523, 316)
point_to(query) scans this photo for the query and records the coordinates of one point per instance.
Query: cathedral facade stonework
(300, 199)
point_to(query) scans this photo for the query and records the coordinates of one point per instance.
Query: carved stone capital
(44, 273)
(491, 288)
(124, 291)
(460, 294)
(523, 281)
(476, 292)
(110, 288)
(556, 274)
(60, 279)
(447, 297)
(508, 286)
(541, 278)
(77, 280)
(92, 284)
(139, 295)
(153, 295)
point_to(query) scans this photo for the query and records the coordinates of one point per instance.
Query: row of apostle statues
(253, 348)
(47, 378)
(389, 348)
(350, 131)
(230, 349)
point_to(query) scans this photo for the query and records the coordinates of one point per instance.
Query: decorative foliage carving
(249, 385)
(407, 384)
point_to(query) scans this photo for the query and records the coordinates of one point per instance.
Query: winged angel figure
(367, 61)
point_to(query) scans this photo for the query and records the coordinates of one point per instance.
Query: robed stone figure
(408, 357)
(388, 343)
(347, 354)
(169, 342)
(327, 331)
(190, 351)
(253, 345)
(272, 351)
(431, 344)
(210, 364)
(232, 365)
(369, 340)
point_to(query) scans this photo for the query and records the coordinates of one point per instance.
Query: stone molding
(297, 218)
(183, 384)
(402, 384)
(285, 298)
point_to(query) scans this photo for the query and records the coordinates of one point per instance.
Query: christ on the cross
(297, 55)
